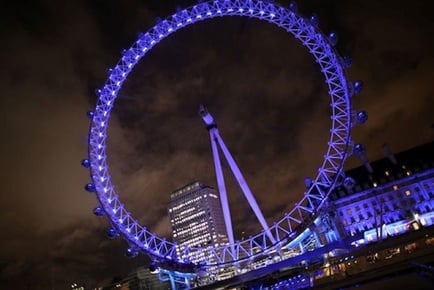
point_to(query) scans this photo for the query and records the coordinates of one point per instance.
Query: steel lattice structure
(332, 66)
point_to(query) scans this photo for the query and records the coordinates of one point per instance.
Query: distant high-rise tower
(197, 219)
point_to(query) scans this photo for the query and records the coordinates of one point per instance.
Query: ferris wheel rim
(329, 173)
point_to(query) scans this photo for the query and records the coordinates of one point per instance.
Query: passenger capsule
(98, 211)
(308, 182)
(293, 7)
(333, 38)
(347, 60)
(131, 253)
(112, 233)
(314, 20)
(349, 182)
(90, 114)
(85, 163)
(358, 87)
(90, 187)
(361, 117)
(359, 149)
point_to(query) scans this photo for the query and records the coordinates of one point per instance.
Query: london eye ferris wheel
(329, 174)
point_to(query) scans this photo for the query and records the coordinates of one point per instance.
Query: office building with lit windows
(196, 218)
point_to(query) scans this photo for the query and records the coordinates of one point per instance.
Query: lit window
(387, 173)
(407, 192)
(395, 187)
(375, 184)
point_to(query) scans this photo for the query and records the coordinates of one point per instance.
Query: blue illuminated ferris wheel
(330, 172)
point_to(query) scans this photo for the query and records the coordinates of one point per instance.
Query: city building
(386, 213)
(389, 197)
(383, 198)
(196, 218)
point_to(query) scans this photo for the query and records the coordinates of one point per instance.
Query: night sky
(263, 88)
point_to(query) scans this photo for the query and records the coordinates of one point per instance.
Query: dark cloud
(264, 89)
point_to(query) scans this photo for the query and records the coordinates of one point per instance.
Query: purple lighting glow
(330, 172)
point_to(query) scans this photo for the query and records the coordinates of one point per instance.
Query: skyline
(263, 94)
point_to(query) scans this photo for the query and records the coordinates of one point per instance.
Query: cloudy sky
(261, 85)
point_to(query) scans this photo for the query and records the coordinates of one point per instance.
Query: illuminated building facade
(197, 219)
(381, 221)
(390, 196)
